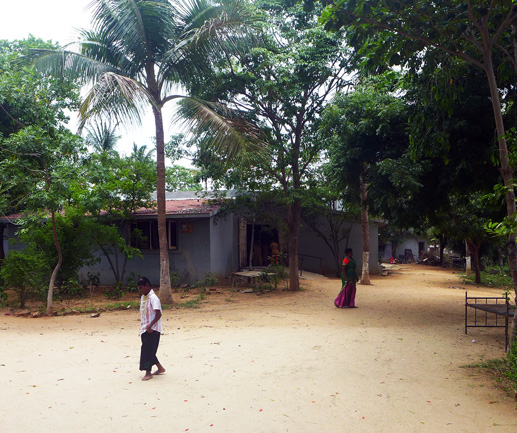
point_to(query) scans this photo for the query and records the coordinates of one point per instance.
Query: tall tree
(45, 159)
(480, 33)
(363, 128)
(39, 155)
(282, 87)
(137, 52)
(102, 136)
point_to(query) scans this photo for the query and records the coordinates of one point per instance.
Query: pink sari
(346, 297)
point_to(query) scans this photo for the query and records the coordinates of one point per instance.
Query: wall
(411, 242)
(312, 245)
(9, 236)
(224, 246)
(191, 261)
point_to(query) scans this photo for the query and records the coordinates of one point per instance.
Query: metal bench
(486, 306)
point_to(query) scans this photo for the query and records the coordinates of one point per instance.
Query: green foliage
(365, 126)
(491, 277)
(210, 280)
(279, 86)
(175, 279)
(102, 136)
(505, 368)
(73, 232)
(3, 296)
(180, 178)
(272, 275)
(193, 303)
(72, 287)
(92, 282)
(121, 186)
(329, 211)
(116, 292)
(26, 272)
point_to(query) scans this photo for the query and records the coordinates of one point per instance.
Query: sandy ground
(280, 362)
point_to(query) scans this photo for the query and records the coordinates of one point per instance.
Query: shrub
(116, 293)
(25, 272)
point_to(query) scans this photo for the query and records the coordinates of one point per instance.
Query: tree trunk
(468, 259)
(250, 266)
(443, 243)
(365, 275)
(506, 171)
(56, 268)
(474, 249)
(294, 211)
(165, 278)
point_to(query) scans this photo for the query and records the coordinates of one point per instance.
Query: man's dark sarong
(150, 342)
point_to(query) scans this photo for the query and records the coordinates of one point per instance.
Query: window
(144, 235)
(172, 235)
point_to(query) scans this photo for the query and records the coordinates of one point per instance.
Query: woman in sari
(346, 297)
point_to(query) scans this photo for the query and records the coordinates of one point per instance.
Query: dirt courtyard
(280, 362)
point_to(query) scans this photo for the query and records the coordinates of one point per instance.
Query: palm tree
(136, 54)
(141, 153)
(102, 136)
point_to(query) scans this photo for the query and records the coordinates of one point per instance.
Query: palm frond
(144, 26)
(116, 96)
(67, 64)
(223, 130)
(210, 31)
(102, 135)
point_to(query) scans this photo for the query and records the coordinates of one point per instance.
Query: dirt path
(282, 362)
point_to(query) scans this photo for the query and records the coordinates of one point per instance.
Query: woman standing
(346, 297)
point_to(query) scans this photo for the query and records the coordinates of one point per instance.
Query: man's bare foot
(147, 376)
(160, 370)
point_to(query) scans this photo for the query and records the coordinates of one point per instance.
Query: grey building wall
(224, 246)
(9, 237)
(190, 261)
(312, 245)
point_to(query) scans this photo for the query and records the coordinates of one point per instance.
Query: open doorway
(264, 238)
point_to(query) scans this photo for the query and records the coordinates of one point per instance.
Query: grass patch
(193, 303)
(504, 370)
(491, 277)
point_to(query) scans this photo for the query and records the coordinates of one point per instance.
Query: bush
(490, 277)
(210, 280)
(25, 272)
(72, 287)
(116, 293)
(506, 368)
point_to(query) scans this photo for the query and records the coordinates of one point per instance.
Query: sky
(58, 20)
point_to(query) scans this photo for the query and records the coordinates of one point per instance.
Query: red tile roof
(173, 207)
(183, 207)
